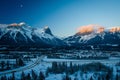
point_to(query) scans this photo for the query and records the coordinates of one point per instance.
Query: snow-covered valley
(45, 67)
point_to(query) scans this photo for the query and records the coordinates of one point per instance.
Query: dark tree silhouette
(23, 76)
(34, 75)
(19, 62)
(8, 65)
(107, 76)
(13, 76)
(3, 78)
(2, 65)
(41, 76)
(91, 78)
(28, 77)
(117, 77)
(66, 77)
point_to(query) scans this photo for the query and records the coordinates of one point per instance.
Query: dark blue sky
(30, 11)
(62, 16)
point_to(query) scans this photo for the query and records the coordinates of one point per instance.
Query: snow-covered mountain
(94, 38)
(22, 34)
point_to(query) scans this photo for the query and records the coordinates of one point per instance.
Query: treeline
(72, 68)
(26, 76)
(6, 65)
(69, 69)
(100, 70)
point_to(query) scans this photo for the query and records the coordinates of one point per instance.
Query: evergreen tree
(28, 77)
(54, 66)
(19, 62)
(13, 76)
(41, 76)
(47, 71)
(107, 76)
(99, 78)
(64, 67)
(23, 76)
(3, 78)
(2, 65)
(71, 65)
(8, 65)
(9, 78)
(71, 68)
(66, 77)
(117, 77)
(103, 77)
(34, 75)
(91, 78)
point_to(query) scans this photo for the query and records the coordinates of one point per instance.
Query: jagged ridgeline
(23, 35)
(95, 37)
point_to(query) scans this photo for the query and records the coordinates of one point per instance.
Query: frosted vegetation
(65, 71)
(60, 65)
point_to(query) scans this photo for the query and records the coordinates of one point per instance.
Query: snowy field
(112, 60)
(42, 63)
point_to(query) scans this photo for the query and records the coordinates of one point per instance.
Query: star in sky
(62, 16)
(21, 5)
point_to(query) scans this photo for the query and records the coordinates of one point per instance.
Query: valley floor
(44, 67)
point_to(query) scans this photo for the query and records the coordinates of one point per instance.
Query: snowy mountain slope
(95, 35)
(22, 34)
(103, 38)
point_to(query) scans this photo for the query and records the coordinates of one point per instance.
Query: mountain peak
(92, 28)
(17, 25)
(22, 34)
(47, 30)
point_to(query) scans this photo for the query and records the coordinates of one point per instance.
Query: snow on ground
(46, 62)
(40, 67)
(105, 61)
(55, 77)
